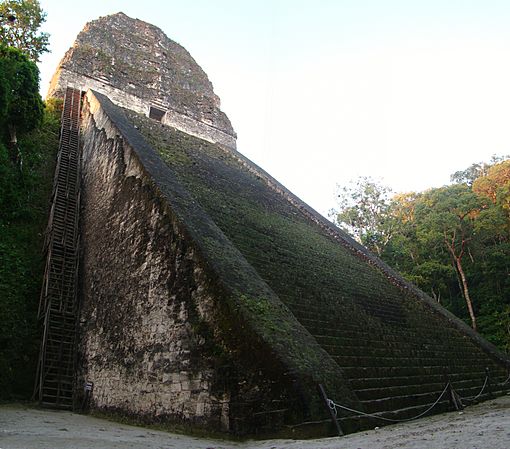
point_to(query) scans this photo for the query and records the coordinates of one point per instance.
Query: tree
(22, 32)
(495, 185)
(469, 175)
(453, 242)
(475, 171)
(21, 106)
(364, 211)
(446, 216)
(23, 216)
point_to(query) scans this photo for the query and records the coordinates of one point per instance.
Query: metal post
(331, 413)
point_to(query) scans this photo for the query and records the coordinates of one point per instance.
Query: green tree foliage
(445, 218)
(453, 242)
(22, 33)
(24, 202)
(24, 197)
(21, 106)
(495, 185)
(475, 171)
(364, 212)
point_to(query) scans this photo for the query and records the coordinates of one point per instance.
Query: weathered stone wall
(64, 77)
(198, 129)
(394, 346)
(137, 66)
(176, 326)
(212, 296)
(143, 296)
(179, 326)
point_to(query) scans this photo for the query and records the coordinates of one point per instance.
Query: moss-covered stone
(262, 360)
(199, 236)
(372, 326)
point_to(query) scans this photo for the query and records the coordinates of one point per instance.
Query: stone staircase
(397, 351)
(398, 375)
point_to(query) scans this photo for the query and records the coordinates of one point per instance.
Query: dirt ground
(483, 426)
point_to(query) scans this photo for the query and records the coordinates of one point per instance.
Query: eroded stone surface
(212, 295)
(140, 346)
(139, 67)
(149, 321)
(180, 326)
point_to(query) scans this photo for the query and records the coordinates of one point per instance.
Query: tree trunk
(13, 144)
(463, 281)
(437, 296)
(466, 292)
(12, 133)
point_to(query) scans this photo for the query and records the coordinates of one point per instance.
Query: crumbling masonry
(211, 296)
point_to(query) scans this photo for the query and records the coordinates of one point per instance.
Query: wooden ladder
(58, 302)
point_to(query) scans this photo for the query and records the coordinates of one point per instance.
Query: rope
(474, 398)
(333, 406)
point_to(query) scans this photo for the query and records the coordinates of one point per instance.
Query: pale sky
(323, 91)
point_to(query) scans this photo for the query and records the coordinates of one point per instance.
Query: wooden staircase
(58, 304)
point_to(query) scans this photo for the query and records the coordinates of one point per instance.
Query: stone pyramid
(211, 296)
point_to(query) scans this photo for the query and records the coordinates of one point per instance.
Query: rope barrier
(333, 406)
(454, 398)
(474, 398)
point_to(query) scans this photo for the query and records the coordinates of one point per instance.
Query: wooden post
(451, 397)
(489, 388)
(331, 413)
(455, 399)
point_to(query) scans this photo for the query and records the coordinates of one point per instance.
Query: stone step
(402, 401)
(327, 344)
(387, 312)
(398, 375)
(382, 392)
(377, 337)
(391, 358)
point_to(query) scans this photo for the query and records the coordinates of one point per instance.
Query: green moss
(259, 306)
(173, 157)
(338, 296)
(299, 262)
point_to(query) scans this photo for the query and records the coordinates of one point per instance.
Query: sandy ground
(483, 426)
